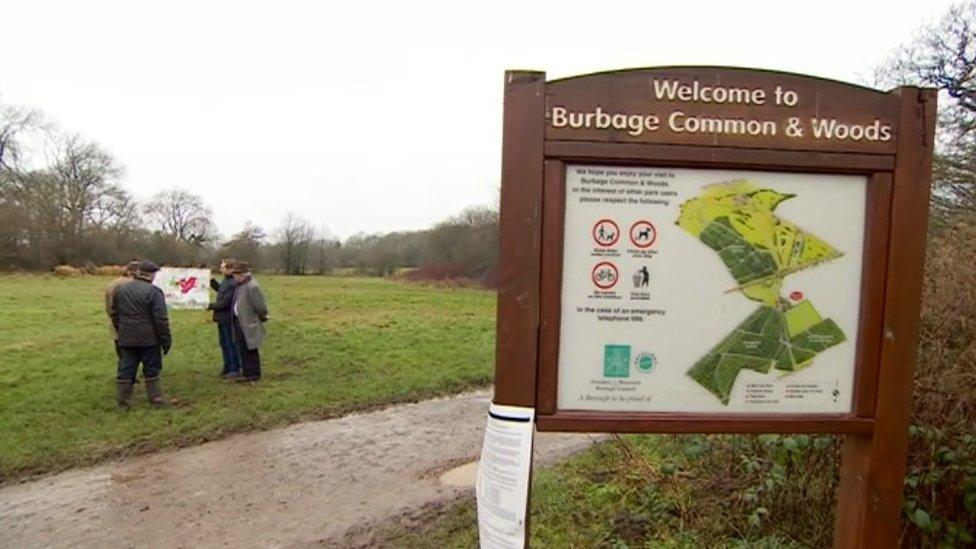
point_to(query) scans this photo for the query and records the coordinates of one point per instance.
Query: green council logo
(645, 362)
(616, 360)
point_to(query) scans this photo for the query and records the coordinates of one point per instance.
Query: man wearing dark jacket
(130, 271)
(224, 318)
(139, 316)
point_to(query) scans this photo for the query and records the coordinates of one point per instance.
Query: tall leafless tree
(943, 55)
(246, 245)
(181, 215)
(60, 205)
(294, 239)
(326, 251)
(14, 123)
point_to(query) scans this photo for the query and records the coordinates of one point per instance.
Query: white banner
(184, 288)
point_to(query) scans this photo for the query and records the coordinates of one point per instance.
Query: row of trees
(62, 202)
(67, 206)
(465, 245)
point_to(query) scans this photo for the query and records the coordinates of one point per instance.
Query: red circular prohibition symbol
(605, 275)
(643, 233)
(611, 239)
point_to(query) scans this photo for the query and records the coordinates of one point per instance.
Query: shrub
(940, 487)
(110, 270)
(754, 487)
(66, 271)
(437, 271)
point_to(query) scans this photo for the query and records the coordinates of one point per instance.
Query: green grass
(334, 345)
(635, 493)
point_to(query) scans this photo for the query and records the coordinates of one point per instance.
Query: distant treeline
(62, 203)
(463, 246)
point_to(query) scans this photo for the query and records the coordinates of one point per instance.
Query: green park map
(736, 220)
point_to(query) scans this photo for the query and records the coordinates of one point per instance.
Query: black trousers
(250, 358)
(150, 357)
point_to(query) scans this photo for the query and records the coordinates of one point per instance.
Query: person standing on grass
(250, 312)
(140, 318)
(130, 271)
(224, 317)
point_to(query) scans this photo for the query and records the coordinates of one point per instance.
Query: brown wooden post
(520, 238)
(520, 244)
(873, 467)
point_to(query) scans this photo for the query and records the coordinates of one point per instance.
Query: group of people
(140, 326)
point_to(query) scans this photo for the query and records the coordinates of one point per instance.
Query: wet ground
(303, 485)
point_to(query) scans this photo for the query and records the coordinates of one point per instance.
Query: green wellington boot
(123, 390)
(154, 390)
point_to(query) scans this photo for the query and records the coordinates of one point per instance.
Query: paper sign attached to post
(503, 477)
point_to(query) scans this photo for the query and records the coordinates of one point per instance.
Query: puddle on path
(464, 475)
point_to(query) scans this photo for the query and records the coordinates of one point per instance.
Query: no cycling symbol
(605, 275)
(643, 234)
(606, 232)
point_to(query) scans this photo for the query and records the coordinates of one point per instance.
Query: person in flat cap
(130, 271)
(140, 318)
(250, 313)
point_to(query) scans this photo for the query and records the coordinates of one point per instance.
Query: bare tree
(467, 242)
(63, 203)
(85, 176)
(246, 245)
(943, 55)
(14, 122)
(251, 233)
(326, 251)
(181, 215)
(294, 239)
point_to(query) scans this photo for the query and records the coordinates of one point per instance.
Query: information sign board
(718, 250)
(733, 291)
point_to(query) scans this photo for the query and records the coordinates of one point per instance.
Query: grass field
(335, 345)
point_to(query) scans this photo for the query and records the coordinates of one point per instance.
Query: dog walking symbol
(606, 232)
(643, 234)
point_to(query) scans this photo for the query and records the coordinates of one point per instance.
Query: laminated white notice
(503, 477)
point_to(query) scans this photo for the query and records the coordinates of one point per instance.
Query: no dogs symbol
(643, 234)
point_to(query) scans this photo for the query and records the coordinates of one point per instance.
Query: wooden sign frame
(534, 156)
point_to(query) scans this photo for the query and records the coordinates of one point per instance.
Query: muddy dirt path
(298, 486)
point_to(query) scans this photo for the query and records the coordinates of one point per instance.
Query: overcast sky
(370, 116)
